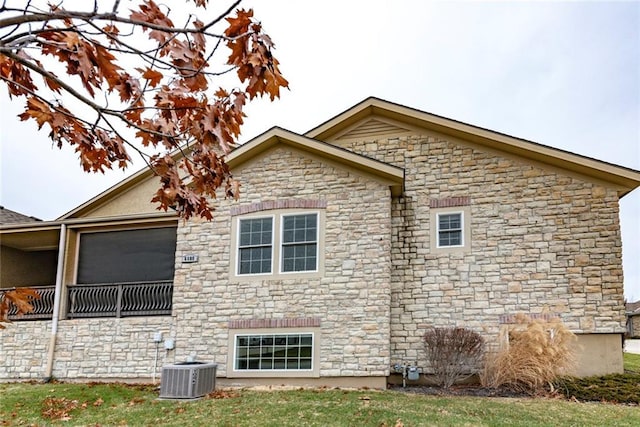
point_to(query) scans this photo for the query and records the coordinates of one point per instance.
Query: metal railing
(42, 307)
(120, 299)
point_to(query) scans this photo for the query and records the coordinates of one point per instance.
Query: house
(633, 319)
(347, 242)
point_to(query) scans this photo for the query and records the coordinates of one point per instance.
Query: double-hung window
(283, 243)
(450, 230)
(299, 242)
(256, 246)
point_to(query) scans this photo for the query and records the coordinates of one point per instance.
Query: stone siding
(23, 348)
(350, 300)
(85, 348)
(111, 348)
(541, 241)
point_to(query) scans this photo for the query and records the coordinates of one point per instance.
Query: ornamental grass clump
(536, 354)
(453, 353)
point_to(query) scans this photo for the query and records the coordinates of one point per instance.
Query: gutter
(56, 303)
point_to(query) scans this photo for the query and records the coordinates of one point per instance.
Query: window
(299, 242)
(284, 243)
(274, 352)
(255, 247)
(450, 230)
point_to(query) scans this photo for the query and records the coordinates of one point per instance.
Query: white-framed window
(450, 229)
(283, 243)
(274, 352)
(299, 243)
(255, 246)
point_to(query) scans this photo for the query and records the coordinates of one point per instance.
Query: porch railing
(120, 299)
(42, 307)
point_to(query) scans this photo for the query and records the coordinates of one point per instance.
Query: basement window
(274, 352)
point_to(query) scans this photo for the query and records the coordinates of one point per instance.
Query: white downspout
(56, 301)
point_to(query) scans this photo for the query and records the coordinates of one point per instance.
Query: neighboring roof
(7, 216)
(633, 308)
(625, 179)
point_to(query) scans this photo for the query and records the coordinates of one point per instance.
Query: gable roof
(380, 117)
(624, 179)
(393, 175)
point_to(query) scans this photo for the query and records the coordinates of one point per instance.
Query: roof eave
(623, 179)
(393, 174)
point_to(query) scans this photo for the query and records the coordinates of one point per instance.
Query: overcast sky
(563, 74)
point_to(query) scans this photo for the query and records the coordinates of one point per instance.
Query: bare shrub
(537, 352)
(454, 353)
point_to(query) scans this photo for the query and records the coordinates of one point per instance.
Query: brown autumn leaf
(37, 110)
(162, 89)
(153, 76)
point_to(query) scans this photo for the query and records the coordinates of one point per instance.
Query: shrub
(454, 353)
(537, 352)
(614, 388)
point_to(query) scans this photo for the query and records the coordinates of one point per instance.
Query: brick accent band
(278, 204)
(515, 318)
(298, 322)
(450, 202)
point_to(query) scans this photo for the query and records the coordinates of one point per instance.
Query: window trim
(461, 230)
(277, 236)
(282, 244)
(434, 228)
(314, 372)
(237, 246)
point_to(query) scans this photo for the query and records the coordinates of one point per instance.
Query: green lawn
(114, 404)
(632, 362)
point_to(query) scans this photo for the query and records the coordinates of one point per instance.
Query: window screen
(127, 256)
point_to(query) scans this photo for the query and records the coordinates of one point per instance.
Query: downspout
(56, 302)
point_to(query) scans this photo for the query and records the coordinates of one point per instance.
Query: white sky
(563, 74)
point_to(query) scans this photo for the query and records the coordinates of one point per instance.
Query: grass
(631, 362)
(117, 404)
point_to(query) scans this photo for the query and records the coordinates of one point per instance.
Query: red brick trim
(450, 202)
(515, 318)
(298, 322)
(279, 204)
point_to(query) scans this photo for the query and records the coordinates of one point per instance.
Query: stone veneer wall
(23, 349)
(111, 348)
(85, 348)
(350, 301)
(541, 241)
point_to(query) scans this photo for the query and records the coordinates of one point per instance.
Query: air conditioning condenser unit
(187, 380)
